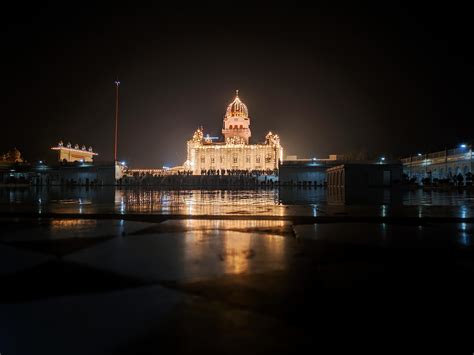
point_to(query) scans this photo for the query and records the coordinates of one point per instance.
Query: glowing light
(463, 146)
(419, 154)
(237, 108)
(208, 137)
(204, 152)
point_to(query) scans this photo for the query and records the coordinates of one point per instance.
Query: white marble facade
(235, 152)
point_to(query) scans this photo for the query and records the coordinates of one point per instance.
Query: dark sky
(388, 80)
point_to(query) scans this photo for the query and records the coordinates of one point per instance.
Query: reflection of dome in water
(237, 108)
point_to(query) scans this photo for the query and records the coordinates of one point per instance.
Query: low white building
(70, 154)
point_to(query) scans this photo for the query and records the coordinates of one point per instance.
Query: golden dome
(237, 108)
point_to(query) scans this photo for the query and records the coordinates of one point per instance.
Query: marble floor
(91, 286)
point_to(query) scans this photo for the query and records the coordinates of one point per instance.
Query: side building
(448, 164)
(74, 166)
(70, 154)
(305, 172)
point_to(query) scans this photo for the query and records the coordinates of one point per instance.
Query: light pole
(117, 84)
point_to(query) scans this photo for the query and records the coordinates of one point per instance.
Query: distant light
(419, 154)
(41, 162)
(81, 160)
(314, 158)
(463, 145)
(382, 159)
(123, 163)
(166, 167)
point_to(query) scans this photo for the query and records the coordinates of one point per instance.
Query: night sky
(387, 80)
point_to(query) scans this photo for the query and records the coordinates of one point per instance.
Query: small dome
(14, 153)
(14, 156)
(237, 108)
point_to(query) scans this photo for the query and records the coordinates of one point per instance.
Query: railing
(243, 129)
(441, 154)
(450, 154)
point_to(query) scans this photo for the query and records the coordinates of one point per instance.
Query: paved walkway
(91, 286)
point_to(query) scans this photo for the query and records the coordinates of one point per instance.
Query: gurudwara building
(234, 153)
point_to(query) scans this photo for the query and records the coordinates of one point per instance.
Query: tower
(236, 122)
(117, 84)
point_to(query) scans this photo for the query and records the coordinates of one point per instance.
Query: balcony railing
(450, 154)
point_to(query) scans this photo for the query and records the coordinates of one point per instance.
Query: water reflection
(441, 235)
(465, 234)
(342, 196)
(261, 202)
(59, 225)
(201, 202)
(230, 251)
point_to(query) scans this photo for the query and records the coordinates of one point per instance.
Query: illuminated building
(71, 154)
(235, 152)
(445, 164)
(13, 156)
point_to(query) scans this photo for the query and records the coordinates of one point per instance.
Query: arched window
(230, 127)
(241, 126)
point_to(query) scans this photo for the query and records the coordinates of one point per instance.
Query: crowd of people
(454, 180)
(238, 172)
(231, 176)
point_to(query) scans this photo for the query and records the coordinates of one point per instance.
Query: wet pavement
(282, 203)
(255, 285)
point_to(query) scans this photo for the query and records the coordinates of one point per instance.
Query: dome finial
(237, 108)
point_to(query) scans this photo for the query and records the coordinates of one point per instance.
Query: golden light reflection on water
(58, 225)
(200, 202)
(232, 224)
(260, 202)
(234, 252)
